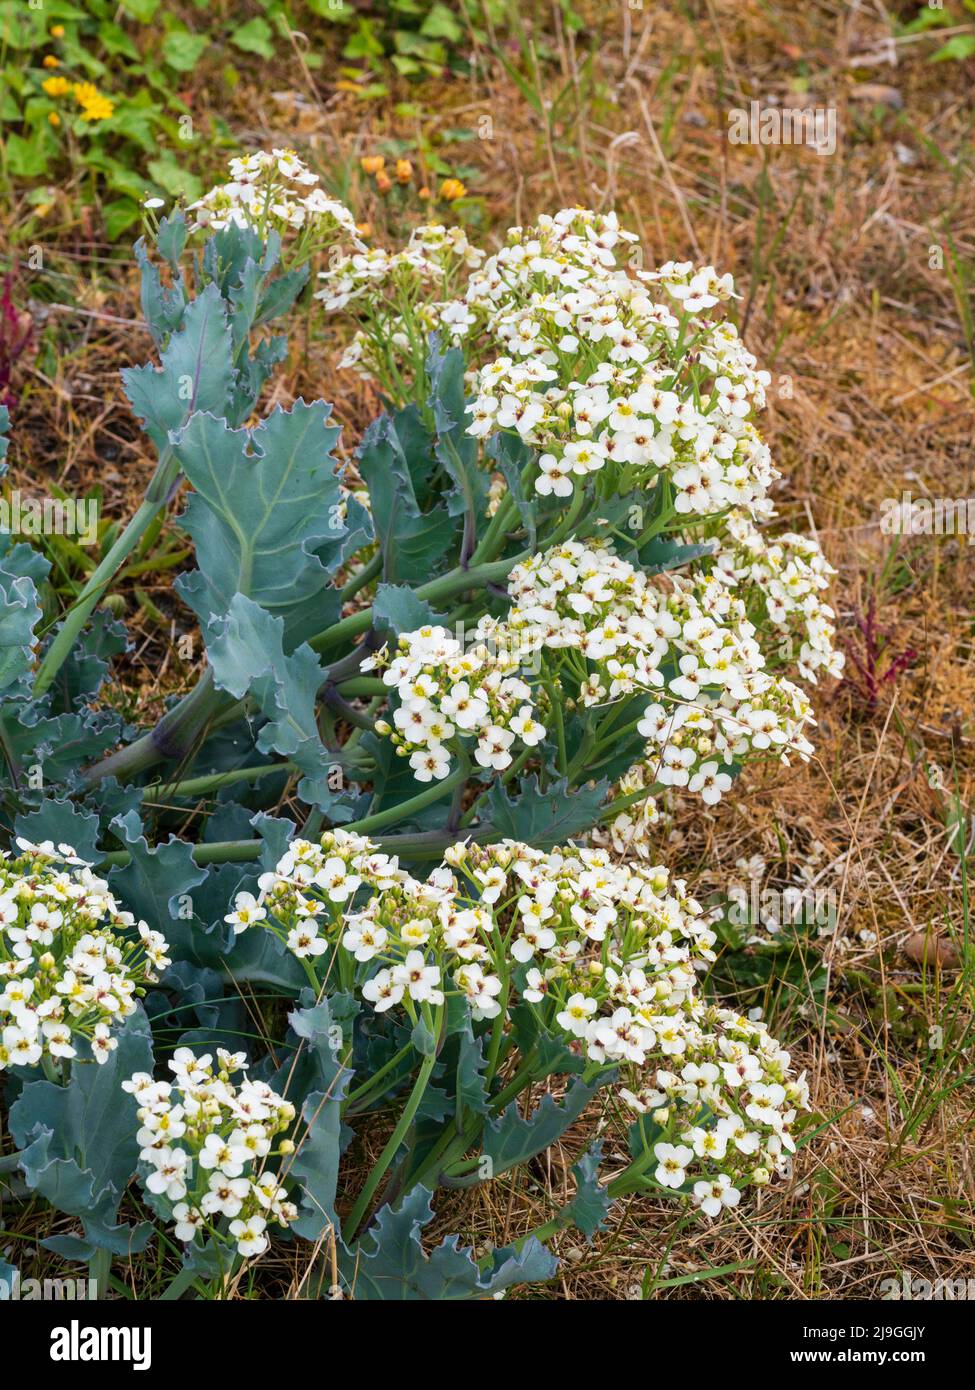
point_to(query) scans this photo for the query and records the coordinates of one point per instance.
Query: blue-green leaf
(389, 1262)
(543, 818)
(78, 1141)
(196, 371)
(511, 1139)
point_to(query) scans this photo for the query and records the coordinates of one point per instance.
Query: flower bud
(286, 1146)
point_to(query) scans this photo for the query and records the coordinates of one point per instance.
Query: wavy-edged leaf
(512, 1139)
(196, 371)
(78, 1141)
(590, 1205)
(389, 1262)
(544, 818)
(263, 500)
(415, 544)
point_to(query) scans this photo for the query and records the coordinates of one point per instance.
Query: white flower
(672, 1160)
(246, 912)
(383, 991)
(713, 1195)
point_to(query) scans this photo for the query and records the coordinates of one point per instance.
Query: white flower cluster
(205, 1140)
(726, 1103)
(622, 631)
(400, 298)
(272, 189)
(587, 367)
(789, 574)
(449, 695)
(603, 953)
(72, 963)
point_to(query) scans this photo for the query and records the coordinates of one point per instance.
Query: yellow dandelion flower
(56, 86)
(451, 190)
(50, 61)
(373, 163)
(57, 31)
(94, 106)
(99, 109)
(53, 118)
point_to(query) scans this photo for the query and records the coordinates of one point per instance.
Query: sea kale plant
(375, 910)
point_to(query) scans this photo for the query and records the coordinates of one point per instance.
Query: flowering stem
(392, 1148)
(392, 814)
(79, 612)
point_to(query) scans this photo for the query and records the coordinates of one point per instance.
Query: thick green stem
(167, 471)
(361, 1207)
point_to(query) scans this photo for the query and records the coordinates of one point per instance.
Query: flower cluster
(587, 367)
(605, 954)
(788, 574)
(721, 1109)
(431, 258)
(623, 632)
(273, 190)
(449, 695)
(72, 964)
(95, 105)
(400, 298)
(205, 1139)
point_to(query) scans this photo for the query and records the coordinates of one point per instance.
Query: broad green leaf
(20, 612)
(64, 823)
(590, 1205)
(183, 50)
(78, 1140)
(511, 1139)
(397, 608)
(196, 372)
(246, 651)
(389, 1262)
(254, 37)
(263, 500)
(415, 544)
(543, 819)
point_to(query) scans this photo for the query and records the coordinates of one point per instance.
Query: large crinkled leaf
(415, 545)
(324, 1031)
(397, 608)
(158, 885)
(196, 371)
(58, 748)
(64, 823)
(263, 500)
(78, 1141)
(590, 1205)
(81, 677)
(511, 1139)
(389, 1262)
(162, 306)
(543, 818)
(20, 612)
(246, 650)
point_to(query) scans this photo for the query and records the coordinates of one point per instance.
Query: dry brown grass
(842, 300)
